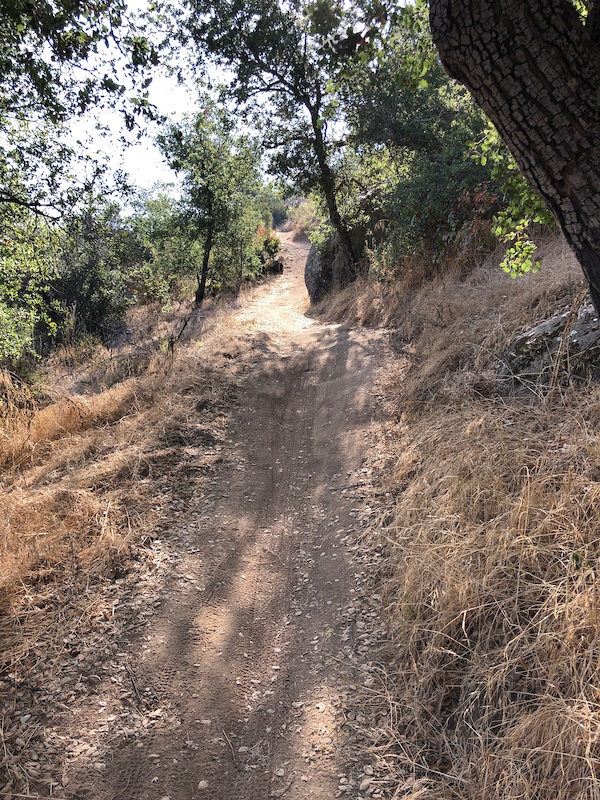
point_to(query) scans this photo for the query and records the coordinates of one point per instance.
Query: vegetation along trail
(244, 664)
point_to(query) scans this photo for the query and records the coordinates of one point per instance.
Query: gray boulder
(532, 356)
(318, 274)
(327, 269)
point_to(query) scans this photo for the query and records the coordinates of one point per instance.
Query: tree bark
(327, 181)
(533, 67)
(203, 275)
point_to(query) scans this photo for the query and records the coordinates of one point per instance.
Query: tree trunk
(327, 181)
(203, 274)
(532, 66)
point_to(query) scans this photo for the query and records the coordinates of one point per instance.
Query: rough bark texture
(203, 275)
(532, 66)
(327, 181)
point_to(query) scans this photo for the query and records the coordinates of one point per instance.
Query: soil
(238, 687)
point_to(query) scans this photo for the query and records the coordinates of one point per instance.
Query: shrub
(304, 216)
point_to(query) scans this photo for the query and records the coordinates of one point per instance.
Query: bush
(304, 216)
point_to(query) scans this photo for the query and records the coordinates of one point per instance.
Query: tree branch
(47, 210)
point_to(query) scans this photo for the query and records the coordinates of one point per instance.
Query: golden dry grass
(492, 533)
(87, 479)
(491, 591)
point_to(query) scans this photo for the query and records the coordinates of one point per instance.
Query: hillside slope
(492, 541)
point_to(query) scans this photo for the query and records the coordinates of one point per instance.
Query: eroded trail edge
(239, 685)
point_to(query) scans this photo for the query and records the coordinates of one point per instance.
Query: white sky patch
(136, 152)
(143, 161)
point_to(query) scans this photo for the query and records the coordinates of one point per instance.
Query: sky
(143, 161)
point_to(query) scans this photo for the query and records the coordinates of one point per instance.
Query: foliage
(100, 265)
(270, 199)
(224, 202)
(399, 96)
(522, 206)
(274, 54)
(27, 268)
(269, 243)
(59, 59)
(305, 216)
(173, 249)
(47, 47)
(413, 141)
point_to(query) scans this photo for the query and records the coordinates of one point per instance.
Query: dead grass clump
(493, 548)
(303, 218)
(53, 535)
(17, 402)
(26, 441)
(83, 476)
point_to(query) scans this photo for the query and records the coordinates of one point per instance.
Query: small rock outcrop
(276, 266)
(532, 356)
(318, 274)
(327, 268)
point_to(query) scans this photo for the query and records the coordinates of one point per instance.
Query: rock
(276, 266)
(326, 268)
(318, 275)
(531, 357)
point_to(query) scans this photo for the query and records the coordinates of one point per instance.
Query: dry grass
(491, 590)
(95, 467)
(87, 480)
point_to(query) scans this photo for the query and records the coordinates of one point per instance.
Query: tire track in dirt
(244, 662)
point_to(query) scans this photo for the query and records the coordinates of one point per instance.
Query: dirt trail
(244, 663)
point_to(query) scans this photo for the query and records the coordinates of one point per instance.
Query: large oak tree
(533, 67)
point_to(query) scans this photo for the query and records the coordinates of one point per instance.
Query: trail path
(245, 661)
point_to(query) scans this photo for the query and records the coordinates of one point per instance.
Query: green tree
(220, 173)
(59, 57)
(99, 267)
(274, 54)
(28, 266)
(163, 226)
(237, 253)
(428, 128)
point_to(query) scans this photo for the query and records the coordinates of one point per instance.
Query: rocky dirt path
(244, 669)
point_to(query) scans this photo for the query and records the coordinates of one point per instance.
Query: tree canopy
(348, 104)
(58, 57)
(274, 54)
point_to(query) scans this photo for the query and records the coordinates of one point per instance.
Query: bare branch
(47, 210)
